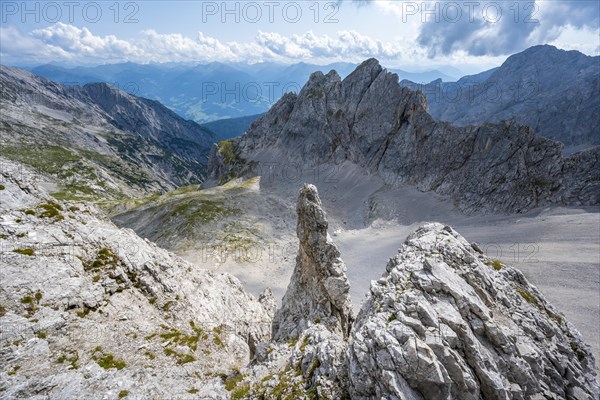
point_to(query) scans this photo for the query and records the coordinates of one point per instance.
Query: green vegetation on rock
(107, 360)
(51, 209)
(27, 251)
(72, 357)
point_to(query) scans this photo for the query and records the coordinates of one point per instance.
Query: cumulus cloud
(347, 45)
(26, 47)
(67, 42)
(74, 40)
(491, 27)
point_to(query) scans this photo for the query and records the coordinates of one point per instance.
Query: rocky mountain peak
(134, 144)
(318, 292)
(370, 120)
(447, 322)
(369, 67)
(553, 91)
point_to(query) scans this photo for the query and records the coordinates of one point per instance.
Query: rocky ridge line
(370, 120)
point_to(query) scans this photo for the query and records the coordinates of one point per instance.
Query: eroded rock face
(308, 356)
(446, 322)
(318, 292)
(526, 88)
(370, 120)
(88, 310)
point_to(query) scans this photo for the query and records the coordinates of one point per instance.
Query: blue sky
(418, 35)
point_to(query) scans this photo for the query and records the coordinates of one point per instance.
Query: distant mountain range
(231, 127)
(209, 92)
(97, 141)
(555, 92)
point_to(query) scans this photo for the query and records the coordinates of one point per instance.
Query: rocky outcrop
(370, 120)
(551, 90)
(83, 301)
(446, 322)
(318, 292)
(308, 355)
(584, 187)
(89, 310)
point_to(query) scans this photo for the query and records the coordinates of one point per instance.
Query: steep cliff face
(584, 184)
(370, 120)
(553, 91)
(447, 322)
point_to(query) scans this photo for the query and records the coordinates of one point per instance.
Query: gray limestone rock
(318, 292)
(446, 322)
(372, 121)
(553, 91)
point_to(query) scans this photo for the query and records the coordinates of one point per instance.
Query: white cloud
(493, 27)
(80, 42)
(26, 47)
(348, 45)
(67, 42)
(63, 42)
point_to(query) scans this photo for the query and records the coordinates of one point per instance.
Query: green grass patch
(26, 251)
(71, 358)
(31, 302)
(497, 265)
(105, 260)
(44, 158)
(51, 209)
(182, 339)
(83, 311)
(236, 165)
(530, 298)
(13, 371)
(182, 358)
(232, 381)
(172, 337)
(107, 360)
(203, 211)
(167, 306)
(240, 392)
